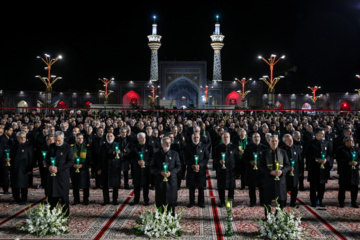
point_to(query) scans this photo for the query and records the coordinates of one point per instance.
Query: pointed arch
(131, 97)
(183, 91)
(233, 98)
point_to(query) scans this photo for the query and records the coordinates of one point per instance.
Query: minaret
(217, 44)
(154, 44)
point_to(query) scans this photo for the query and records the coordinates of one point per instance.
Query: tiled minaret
(217, 44)
(154, 44)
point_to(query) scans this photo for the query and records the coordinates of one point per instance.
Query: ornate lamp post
(271, 82)
(50, 79)
(243, 93)
(313, 89)
(153, 97)
(358, 90)
(107, 92)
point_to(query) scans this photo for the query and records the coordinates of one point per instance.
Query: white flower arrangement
(280, 225)
(159, 224)
(43, 221)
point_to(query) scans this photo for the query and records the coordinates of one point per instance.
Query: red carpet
(115, 222)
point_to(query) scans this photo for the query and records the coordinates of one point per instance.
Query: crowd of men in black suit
(268, 153)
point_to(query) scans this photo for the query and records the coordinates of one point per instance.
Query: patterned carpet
(115, 222)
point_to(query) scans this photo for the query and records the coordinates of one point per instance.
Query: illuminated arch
(233, 98)
(306, 106)
(131, 97)
(88, 104)
(345, 106)
(279, 105)
(62, 104)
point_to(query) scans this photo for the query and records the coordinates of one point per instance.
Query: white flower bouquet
(159, 223)
(43, 221)
(280, 225)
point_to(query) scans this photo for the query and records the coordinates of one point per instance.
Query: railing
(145, 110)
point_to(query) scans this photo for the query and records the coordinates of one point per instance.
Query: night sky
(321, 41)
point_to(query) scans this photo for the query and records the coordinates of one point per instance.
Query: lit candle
(43, 154)
(277, 167)
(353, 159)
(77, 163)
(142, 158)
(52, 160)
(7, 151)
(165, 165)
(196, 159)
(223, 158)
(322, 158)
(292, 161)
(255, 160)
(117, 149)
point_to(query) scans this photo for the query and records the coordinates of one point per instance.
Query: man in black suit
(22, 155)
(253, 176)
(226, 159)
(196, 172)
(140, 157)
(58, 185)
(273, 179)
(165, 191)
(348, 159)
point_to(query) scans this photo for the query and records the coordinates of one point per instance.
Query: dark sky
(321, 41)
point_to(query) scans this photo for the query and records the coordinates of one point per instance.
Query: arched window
(22, 105)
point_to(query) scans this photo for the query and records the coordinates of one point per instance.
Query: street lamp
(358, 90)
(313, 89)
(243, 93)
(271, 82)
(153, 96)
(206, 89)
(107, 92)
(50, 79)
